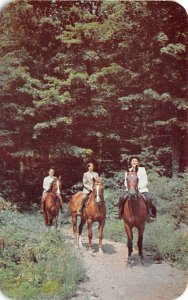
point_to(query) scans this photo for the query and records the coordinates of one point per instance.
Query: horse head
(98, 190)
(132, 184)
(56, 185)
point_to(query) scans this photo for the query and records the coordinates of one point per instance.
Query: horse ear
(94, 180)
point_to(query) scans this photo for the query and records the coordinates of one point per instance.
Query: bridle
(57, 189)
(133, 192)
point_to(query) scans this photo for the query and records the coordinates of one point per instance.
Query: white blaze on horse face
(58, 188)
(98, 197)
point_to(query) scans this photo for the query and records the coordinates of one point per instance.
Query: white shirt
(47, 182)
(142, 180)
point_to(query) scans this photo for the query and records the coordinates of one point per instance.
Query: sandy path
(109, 279)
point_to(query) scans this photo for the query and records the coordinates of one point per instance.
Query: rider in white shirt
(46, 188)
(142, 187)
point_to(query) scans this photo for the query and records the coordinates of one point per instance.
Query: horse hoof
(80, 245)
(141, 261)
(129, 263)
(101, 251)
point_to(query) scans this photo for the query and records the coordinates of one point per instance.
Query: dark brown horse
(94, 211)
(52, 203)
(134, 215)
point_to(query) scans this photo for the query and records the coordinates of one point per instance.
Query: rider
(46, 188)
(88, 185)
(142, 187)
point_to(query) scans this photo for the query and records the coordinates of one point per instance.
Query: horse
(135, 215)
(52, 203)
(94, 211)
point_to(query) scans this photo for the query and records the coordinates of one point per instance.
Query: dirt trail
(109, 279)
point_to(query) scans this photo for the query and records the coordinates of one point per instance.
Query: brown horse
(134, 215)
(94, 211)
(52, 203)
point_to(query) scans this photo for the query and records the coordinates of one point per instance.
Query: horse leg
(80, 229)
(45, 217)
(48, 218)
(129, 242)
(55, 221)
(74, 225)
(139, 243)
(100, 232)
(89, 228)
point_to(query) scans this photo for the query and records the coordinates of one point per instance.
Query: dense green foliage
(43, 266)
(84, 80)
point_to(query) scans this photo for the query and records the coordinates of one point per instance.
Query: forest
(90, 80)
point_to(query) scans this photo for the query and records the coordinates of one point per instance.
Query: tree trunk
(175, 152)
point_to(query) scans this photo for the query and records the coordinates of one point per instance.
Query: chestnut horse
(134, 215)
(52, 203)
(94, 211)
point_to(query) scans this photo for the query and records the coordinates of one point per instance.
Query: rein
(135, 196)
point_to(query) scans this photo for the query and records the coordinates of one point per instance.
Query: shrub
(165, 241)
(170, 196)
(36, 261)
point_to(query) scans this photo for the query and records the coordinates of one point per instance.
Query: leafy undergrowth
(167, 241)
(36, 262)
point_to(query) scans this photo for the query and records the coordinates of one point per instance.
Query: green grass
(36, 262)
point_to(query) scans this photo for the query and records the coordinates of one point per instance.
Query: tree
(94, 80)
